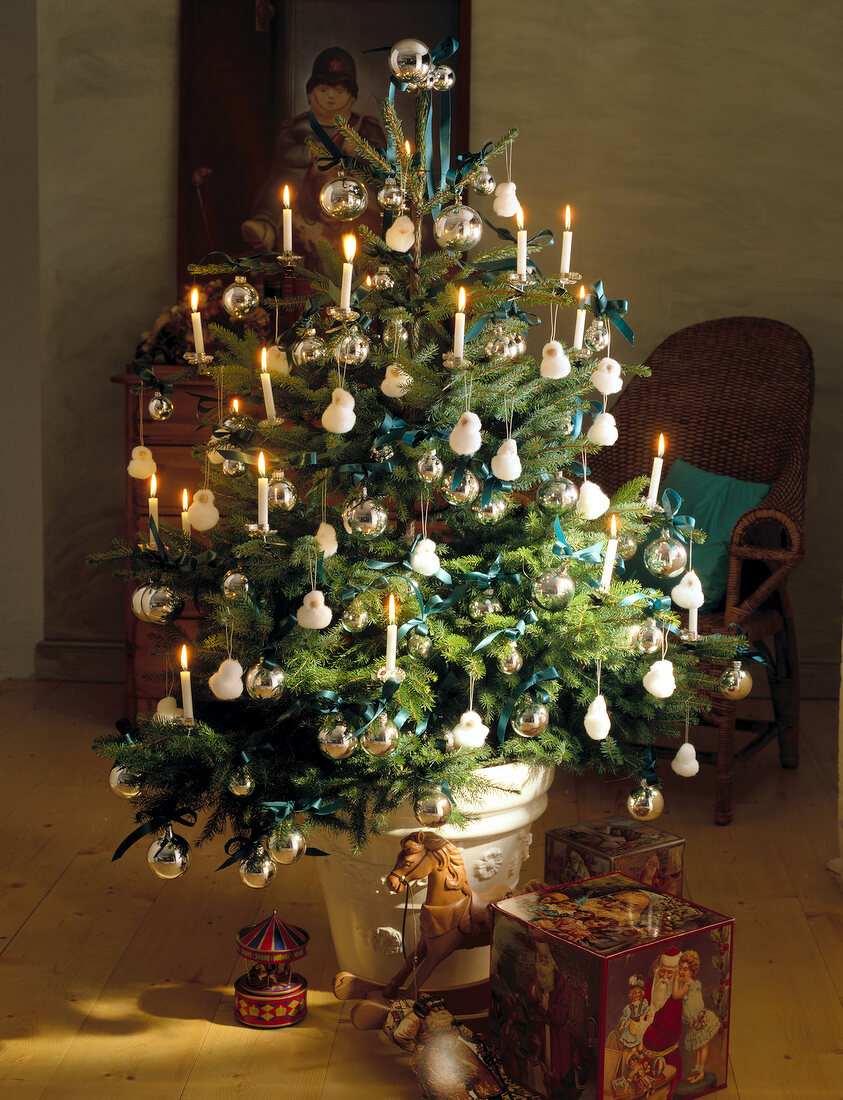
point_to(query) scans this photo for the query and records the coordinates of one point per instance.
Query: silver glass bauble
(483, 604)
(168, 855)
(430, 468)
(596, 337)
(336, 736)
(501, 345)
(355, 618)
(410, 61)
(665, 556)
(352, 348)
(553, 589)
(647, 636)
(736, 682)
(383, 278)
(493, 510)
(309, 349)
(433, 808)
(518, 345)
(383, 453)
(395, 334)
(124, 782)
(234, 585)
(419, 645)
(160, 407)
(240, 298)
(380, 737)
(441, 78)
(265, 683)
(233, 467)
(458, 227)
(559, 494)
(365, 517)
(627, 546)
(281, 493)
(156, 603)
(390, 196)
(257, 870)
(289, 850)
(344, 198)
(530, 720)
(240, 782)
(484, 182)
(464, 492)
(510, 659)
(645, 802)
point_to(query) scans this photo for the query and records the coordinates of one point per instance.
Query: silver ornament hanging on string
(483, 604)
(441, 78)
(464, 492)
(433, 808)
(647, 636)
(510, 659)
(352, 348)
(281, 493)
(627, 546)
(390, 196)
(458, 227)
(168, 856)
(665, 556)
(430, 468)
(553, 589)
(336, 736)
(383, 278)
(419, 645)
(596, 337)
(736, 682)
(309, 349)
(380, 737)
(240, 783)
(156, 603)
(395, 333)
(344, 198)
(287, 851)
(240, 298)
(410, 61)
(501, 345)
(559, 494)
(484, 182)
(366, 517)
(493, 510)
(257, 870)
(233, 467)
(124, 782)
(355, 618)
(160, 407)
(645, 803)
(234, 585)
(530, 720)
(265, 684)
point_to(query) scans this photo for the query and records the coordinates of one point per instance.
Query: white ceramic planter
(366, 918)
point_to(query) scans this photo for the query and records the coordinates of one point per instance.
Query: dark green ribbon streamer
(513, 633)
(333, 158)
(466, 163)
(182, 816)
(147, 376)
(361, 470)
(284, 624)
(529, 684)
(126, 730)
(613, 309)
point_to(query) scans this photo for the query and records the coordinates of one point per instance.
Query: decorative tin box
(615, 845)
(270, 995)
(606, 989)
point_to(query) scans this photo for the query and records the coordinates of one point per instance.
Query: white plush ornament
(555, 363)
(314, 614)
(203, 513)
(506, 464)
(506, 202)
(592, 501)
(603, 431)
(424, 558)
(465, 438)
(339, 417)
(396, 381)
(596, 720)
(227, 681)
(606, 376)
(658, 679)
(688, 593)
(277, 361)
(469, 732)
(685, 762)
(213, 454)
(401, 235)
(142, 465)
(326, 539)
(168, 709)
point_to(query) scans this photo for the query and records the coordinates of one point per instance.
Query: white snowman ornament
(326, 539)
(606, 376)
(227, 681)
(555, 363)
(141, 465)
(465, 438)
(470, 732)
(314, 613)
(401, 235)
(596, 722)
(659, 679)
(603, 431)
(339, 417)
(203, 513)
(396, 381)
(685, 762)
(592, 501)
(506, 464)
(506, 201)
(424, 559)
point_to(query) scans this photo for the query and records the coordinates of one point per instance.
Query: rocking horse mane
(447, 856)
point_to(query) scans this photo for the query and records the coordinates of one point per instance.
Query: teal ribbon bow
(466, 164)
(182, 816)
(512, 633)
(283, 625)
(655, 605)
(529, 684)
(147, 376)
(680, 525)
(591, 555)
(613, 309)
(492, 575)
(510, 313)
(361, 470)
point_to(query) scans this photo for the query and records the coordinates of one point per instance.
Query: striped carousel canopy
(272, 941)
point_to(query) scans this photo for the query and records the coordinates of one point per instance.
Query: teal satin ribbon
(649, 775)
(513, 633)
(283, 626)
(440, 574)
(655, 605)
(613, 309)
(680, 525)
(591, 555)
(181, 816)
(147, 375)
(529, 684)
(465, 462)
(493, 484)
(510, 313)
(333, 157)
(492, 575)
(126, 729)
(351, 591)
(361, 470)
(466, 163)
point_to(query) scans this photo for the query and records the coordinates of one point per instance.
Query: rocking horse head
(424, 853)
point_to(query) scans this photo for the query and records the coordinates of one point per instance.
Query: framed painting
(251, 72)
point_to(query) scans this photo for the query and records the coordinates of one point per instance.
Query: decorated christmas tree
(405, 572)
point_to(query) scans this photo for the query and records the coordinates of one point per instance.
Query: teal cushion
(716, 503)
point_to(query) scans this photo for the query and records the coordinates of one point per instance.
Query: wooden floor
(115, 983)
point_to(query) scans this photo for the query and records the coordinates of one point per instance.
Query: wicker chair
(734, 397)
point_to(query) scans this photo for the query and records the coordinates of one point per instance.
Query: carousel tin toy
(269, 994)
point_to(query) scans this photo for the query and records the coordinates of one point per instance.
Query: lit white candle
(391, 637)
(287, 221)
(521, 245)
(266, 386)
(609, 560)
(153, 509)
(656, 475)
(349, 245)
(567, 238)
(186, 692)
(185, 518)
(459, 325)
(263, 493)
(196, 318)
(579, 330)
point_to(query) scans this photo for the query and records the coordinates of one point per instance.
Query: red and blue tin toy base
(268, 1008)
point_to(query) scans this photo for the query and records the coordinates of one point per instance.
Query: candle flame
(184, 500)
(461, 300)
(661, 445)
(349, 246)
(567, 217)
(235, 405)
(263, 360)
(184, 657)
(581, 294)
(519, 218)
(194, 299)
(286, 196)
(613, 527)
(407, 149)
(261, 465)
(368, 280)
(153, 486)
(391, 610)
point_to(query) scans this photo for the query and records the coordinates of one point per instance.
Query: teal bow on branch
(680, 525)
(530, 684)
(147, 375)
(501, 314)
(649, 775)
(361, 470)
(513, 633)
(491, 575)
(655, 605)
(613, 309)
(591, 555)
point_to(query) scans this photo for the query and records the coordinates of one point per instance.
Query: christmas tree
(423, 580)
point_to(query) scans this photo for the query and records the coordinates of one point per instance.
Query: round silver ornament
(241, 783)
(441, 78)
(484, 182)
(281, 493)
(234, 585)
(168, 855)
(395, 334)
(233, 467)
(501, 345)
(289, 850)
(366, 517)
(352, 348)
(264, 683)
(390, 196)
(665, 556)
(343, 198)
(645, 802)
(483, 604)
(458, 227)
(355, 618)
(493, 511)
(518, 344)
(648, 636)
(464, 492)
(309, 349)
(559, 494)
(530, 720)
(510, 659)
(383, 453)
(627, 546)
(156, 603)
(380, 737)
(430, 467)
(124, 782)
(553, 589)
(736, 682)
(383, 279)
(433, 808)
(240, 298)
(596, 337)
(419, 645)
(257, 870)
(160, 407)
(336, 736)
(410, 61)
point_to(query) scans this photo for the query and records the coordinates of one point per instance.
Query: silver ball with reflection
(289, 850)
(458, 227)
(553, 589)
(433, 808)
(530, 720)
(645, 803)
(665, 556)
(559, 494)
(234, 585)
(265, 684)
(380, 737)
(124, 782)
(160, 407)
(410, 61)
(344, 198)
(168, 855)
(336, 736)
(257, 870)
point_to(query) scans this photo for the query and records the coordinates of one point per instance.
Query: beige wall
(698, 142)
